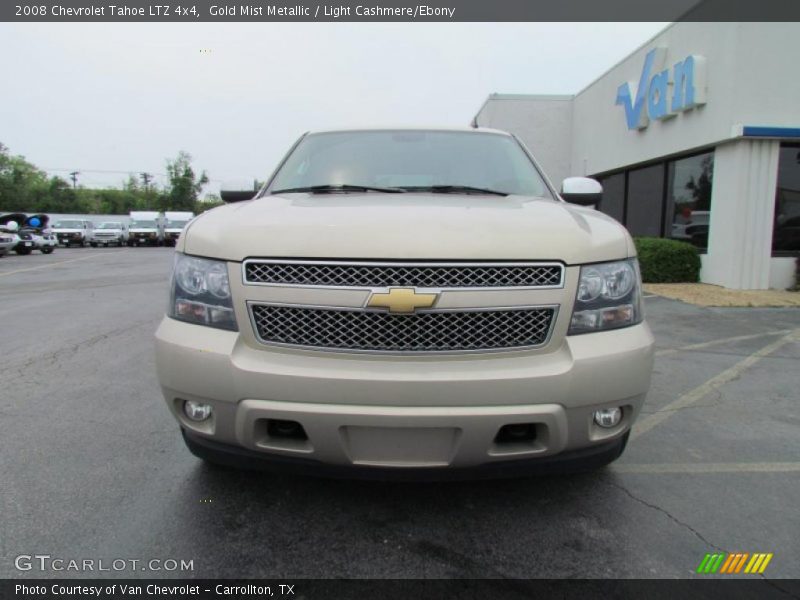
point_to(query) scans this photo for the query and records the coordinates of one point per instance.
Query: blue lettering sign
(653, 90)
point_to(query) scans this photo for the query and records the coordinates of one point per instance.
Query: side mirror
(237, 191)
(581, 190)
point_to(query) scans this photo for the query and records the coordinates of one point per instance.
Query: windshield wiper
(339, 187)
(456, 189)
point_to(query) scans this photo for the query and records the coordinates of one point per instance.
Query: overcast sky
(125, 97)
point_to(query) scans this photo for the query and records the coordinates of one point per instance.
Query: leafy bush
(667, 261)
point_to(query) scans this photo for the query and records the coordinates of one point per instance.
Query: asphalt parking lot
(93, 465)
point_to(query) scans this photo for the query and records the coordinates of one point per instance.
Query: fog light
(196, 411)
(608, 417)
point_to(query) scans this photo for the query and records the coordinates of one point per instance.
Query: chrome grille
(375, 331)
(422, 275)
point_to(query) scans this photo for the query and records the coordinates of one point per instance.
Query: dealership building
(695, 136)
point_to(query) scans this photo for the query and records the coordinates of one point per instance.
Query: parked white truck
(175, 221)
(110, 232)
(146, 228)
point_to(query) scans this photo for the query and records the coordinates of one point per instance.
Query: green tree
(21, 183)
(184, 185)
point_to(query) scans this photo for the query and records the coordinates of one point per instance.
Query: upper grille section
(421, 275)
(375, 331)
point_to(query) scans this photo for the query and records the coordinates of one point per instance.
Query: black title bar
(388, 589)
(396, 10)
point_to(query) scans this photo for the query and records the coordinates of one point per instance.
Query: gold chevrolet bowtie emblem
(401, 300)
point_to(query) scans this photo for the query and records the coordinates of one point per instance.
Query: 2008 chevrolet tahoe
(407, 301)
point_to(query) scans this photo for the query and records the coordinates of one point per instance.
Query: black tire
(47, 249)
(93, 244)
(23, 251)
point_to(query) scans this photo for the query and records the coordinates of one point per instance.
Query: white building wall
(742, 209)
(782, 271)
(746, 83)
(543, 123)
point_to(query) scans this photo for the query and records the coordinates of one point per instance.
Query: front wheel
(23, 251)
(93, 245)
(47, 249)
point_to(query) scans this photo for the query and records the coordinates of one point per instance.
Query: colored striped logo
(735, 562)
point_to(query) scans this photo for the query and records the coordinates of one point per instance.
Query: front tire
(47, 249)
(23, 251)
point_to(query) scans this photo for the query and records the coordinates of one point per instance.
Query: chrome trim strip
(403, 263)
(553, 320)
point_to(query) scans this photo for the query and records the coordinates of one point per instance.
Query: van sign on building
(665, 93)
(724, 177)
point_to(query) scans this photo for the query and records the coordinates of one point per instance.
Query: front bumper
(404, 412)
(69, 238)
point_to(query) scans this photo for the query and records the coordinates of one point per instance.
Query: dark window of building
(645, 201)
(786, 232)
(613, 202)
(689, 182)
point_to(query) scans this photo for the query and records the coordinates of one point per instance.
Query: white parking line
(647, 423)
(737, 338)
(755, 467)
(47, 265)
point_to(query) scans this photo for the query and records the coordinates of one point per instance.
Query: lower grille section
(434, 331)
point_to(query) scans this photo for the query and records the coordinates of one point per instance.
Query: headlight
(201, 293)
(608, 297)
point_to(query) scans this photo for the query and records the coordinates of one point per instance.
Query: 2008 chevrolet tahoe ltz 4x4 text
(407, 301)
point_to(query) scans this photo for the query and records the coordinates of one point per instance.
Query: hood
(412, 226)
(19, 218)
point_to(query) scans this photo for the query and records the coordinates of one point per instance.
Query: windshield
(176, 224)
(411, 160)
(143, 224)
(110, 226)
(68, 225)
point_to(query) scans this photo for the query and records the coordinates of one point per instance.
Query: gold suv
(416, 302)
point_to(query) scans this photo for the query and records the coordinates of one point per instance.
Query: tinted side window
(645, 198)
(786, 231)
(613, 202)
(689, 182)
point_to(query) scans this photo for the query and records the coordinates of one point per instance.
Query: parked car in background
(73, 232)
(10, 223)
(8, 239)
(42, 236)
(146, 228)
(174, 223)
(111, 232)
(692, 226)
